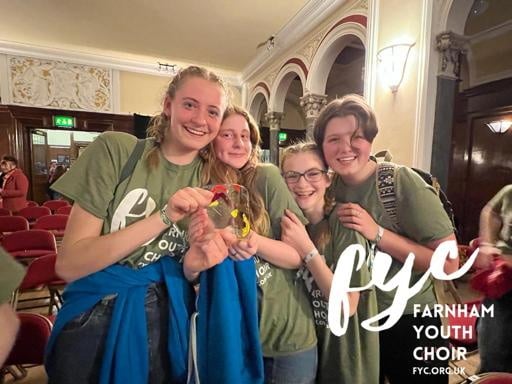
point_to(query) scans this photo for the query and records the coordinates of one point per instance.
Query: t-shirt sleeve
(11, 273)
(92, 179)
(421, 215)
(277, 197)
(341, 239)
(496, 202)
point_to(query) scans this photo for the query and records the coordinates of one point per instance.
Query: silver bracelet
(307, 259)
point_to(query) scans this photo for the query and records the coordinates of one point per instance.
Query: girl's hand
(294, 233)
(207, 250)
(486, 255)
(187, 201)
(353, 216)
(244, 248)
(200, 225)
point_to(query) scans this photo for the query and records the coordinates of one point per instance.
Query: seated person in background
(495, 332)
(15, 185)
(51, 172)
(11, 274)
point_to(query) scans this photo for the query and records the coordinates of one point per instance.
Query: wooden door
(490, 169)
(39, 164)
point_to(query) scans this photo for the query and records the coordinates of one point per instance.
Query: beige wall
(491, 56)
(141, 93)
(396, 113)
(236, 96)
(144, 94)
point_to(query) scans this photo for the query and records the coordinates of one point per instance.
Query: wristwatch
(380, 233)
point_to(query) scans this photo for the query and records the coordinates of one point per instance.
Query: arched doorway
(289, 124)
(342, 47)
(347, 71)
(258, 108)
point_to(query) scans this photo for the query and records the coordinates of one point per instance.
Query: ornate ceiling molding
(98, 60)
(308, 18)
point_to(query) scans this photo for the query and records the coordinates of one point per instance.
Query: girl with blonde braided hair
(125, 251)
(353, 357)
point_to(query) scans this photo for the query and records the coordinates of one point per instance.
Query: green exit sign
(283, 136)
(64, 121)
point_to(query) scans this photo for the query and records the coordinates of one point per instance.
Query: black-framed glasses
(312, 175)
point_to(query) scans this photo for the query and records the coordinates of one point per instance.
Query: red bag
(495, 282)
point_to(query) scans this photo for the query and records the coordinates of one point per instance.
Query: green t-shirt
(421, 218)
(501, 204)
(286, 319)
(11, 274)
(93, 179)
(354, 356)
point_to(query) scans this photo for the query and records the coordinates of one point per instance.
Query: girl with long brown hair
(286, 322)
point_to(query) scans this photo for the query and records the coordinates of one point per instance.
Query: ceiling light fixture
(168, 68)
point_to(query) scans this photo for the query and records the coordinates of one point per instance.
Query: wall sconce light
(499, 126)
(171, 69)
(392, 61)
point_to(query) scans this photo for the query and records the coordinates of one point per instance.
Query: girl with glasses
(353, 357)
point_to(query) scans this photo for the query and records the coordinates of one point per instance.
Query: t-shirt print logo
(263, 271)
(133, 199)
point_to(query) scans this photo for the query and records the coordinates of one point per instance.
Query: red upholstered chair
(31, 203)
(490, 378)
(33, 213)
(55, 204)
(56, 224)
(30, 345)
(29, 244)
(5, 212)
(66, 210)
(10, 224)
(40, 273)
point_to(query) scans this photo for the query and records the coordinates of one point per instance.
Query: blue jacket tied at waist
(125, 358)
(228, 340)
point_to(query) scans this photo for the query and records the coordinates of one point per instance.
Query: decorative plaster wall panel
(57, 84)
(309, 50)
